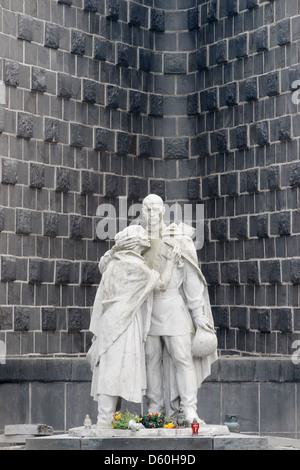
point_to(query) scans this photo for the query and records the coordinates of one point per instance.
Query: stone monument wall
(101, 99)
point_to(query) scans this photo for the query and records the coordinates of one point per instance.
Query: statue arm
(173, 257)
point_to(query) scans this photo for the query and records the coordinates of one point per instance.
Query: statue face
(153, 210)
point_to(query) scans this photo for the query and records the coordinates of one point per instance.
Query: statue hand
(174, 253)
(202, 322)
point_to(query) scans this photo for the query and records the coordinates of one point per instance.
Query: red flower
(149, 416)
(156, 415)
(151, 425)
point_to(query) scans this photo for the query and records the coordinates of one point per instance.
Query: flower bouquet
(156, 420)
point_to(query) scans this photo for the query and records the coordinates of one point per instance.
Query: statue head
(134, 236)
(153, 211)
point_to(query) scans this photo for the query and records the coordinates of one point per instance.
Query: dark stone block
(272, 84)
(145, 60)
(62, 272)
(230, 273)
(273, 177)
(78, 42)
(286, 320)
(89, 91)
(231, 94)
(213, 189)
(112, 9)
(76, 226)
(11, 73)
(50, 224)
(63, 179)
(221, 317)
(135, 188)
(176, 148)
(192, 104)
(51, 130)
(25, 125)
(25, 28)
(239, 228)
(157, 20)
(294, 174)
(219, 229)
(38, 79)
(21, 318)
(138, 15)
(175, 63)
(49, 317)
(74, 319)
(156, 105)
(134, 102)
(194, 189)
(295, 271)
(209, 99)
(241, 46)
(100, 48)
(123, 55)
(243, 317)
(193, 19)
(122, 143)
(202, 58)
(251, 93)
(88, 182)
(221, 52)
(252, 4)
(8, 268)
(65, 2)
(274, 270)
(35, 271)
(261, 39)
(262, 229)
(264, 320)
(158, 187)
(112, 96)
(252, 272)
(77, 135)
(212, 11)
(241, 137)
(91, 5)
(284, 32)
(2, 220)
(252, 180)
(52, 35)
(284, 223)
(9, 171)
(64, 85)
(261, 133)
(104, 139)
(211, 273)
(231, 7)
(229, 184)
(23, 221)
(284, 128)
(144, 146)
(89, 273)
(37, 175)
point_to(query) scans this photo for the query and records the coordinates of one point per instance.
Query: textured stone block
(25, 28)
(286, 320)
(219, 229)
(176, 148)
(134, 102)
(78, 42)
(145, 60)
(252, 180)
(38, 79)
(11, 73)
(50, 224)
(262, 226)
(91, 5)
(295, 271)
(88, 182)
(230, 273)
(62, 272)
(193, 19)
(231, 98)
(241, 137)
(252, 272)
(157, 20)
(264, 320)
(104, 139)
(23, 221)
(52, 35)
(8, 268)
(221, 52)
(122, 143)
(175, 63)
(76, 226)
(112, 96)
(37, 175)
(274, 270)
(269, 84)
(89, 91)
(35, 271)
(209, 99)
(221, 317)
(9, 171)
(212, 11)
(252, 4)
(194, 189)
(64, 85)
(100, 48)
(251, 92)
(273, 177)
(138, 15)
(202, 58)
(21, 318)
(77, 135)
(284, 128)
(284, 223)
(51, 130)
(219, 141)
(261, 39)
(213, 189)
(63, 179)
(89, 273)
(144, 146)
(49, 319)
(284, 32)
(260, 133)
(25, 125)
(123, 55)
(294, 174)
(112, 9)
(156, 105)
(241, 46)
(74, 319)
(230, 7)
(192, 104)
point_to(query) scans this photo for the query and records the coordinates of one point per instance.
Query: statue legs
(107, 406)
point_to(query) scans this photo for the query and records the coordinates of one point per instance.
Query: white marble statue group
(152, 324)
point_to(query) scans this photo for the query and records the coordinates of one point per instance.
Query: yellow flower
(169, 426)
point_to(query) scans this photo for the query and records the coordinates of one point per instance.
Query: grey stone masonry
(197, 101)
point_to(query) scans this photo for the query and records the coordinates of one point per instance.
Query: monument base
(210, 437)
